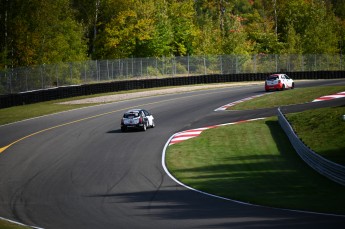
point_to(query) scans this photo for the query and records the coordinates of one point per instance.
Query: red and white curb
(168, 143)
(222, 108)
(330, 97)
(188, 134)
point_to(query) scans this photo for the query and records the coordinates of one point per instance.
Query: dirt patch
(133, 95)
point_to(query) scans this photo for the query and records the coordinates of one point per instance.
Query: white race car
(278, 82)
(137, 119)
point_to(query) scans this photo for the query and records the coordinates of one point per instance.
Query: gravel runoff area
(132, 95)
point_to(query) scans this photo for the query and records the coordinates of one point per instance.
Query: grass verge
(253, 162)
(18, 113)
(7, 225)
(323, 130)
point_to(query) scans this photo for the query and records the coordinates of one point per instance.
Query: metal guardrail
(329, 169)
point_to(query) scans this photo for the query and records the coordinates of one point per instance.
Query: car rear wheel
(144, 127)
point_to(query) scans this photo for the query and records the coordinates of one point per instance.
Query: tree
(208, 41)
(313, 22)
(339, 8)
(221, 27)
(321, 35)
(38, 31)
(129, 29)
(235, 37)
(95, 15)
(43, 32)
(162, 37)
(182, 16)
(261, 32)
(293, 43)
(5, 15)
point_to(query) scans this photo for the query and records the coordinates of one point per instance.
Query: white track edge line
(228, 199)
(20, 224)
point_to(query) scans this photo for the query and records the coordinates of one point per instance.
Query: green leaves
(37, 31)
(43, 32)
(308, 27)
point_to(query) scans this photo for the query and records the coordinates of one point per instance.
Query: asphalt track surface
(77, 170)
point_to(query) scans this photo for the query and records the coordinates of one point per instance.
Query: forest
(36, 32)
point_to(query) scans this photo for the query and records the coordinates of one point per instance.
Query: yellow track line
(51, 128)
(91, 117)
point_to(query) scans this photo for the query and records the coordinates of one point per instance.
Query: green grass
(323, 130)
(17, 113)
(253, 162)
(8, 225)
(287, 97)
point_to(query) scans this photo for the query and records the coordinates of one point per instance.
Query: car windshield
(131, 115)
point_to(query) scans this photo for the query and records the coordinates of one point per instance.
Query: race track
(78, 170)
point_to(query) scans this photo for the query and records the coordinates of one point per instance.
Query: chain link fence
(14, 80)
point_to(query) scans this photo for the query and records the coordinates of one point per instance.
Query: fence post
(84, 72)
(132, 68)
(112, 70)
(221, 64)
(302, 63)
(96, 64)
(236, 64)
(41, 77)
(156, 67)
(205, 67)
(70, 72)
(26, 79)
(172, 66)
(341, 61)
(188, 64)
(57, 74)
(108, 69)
